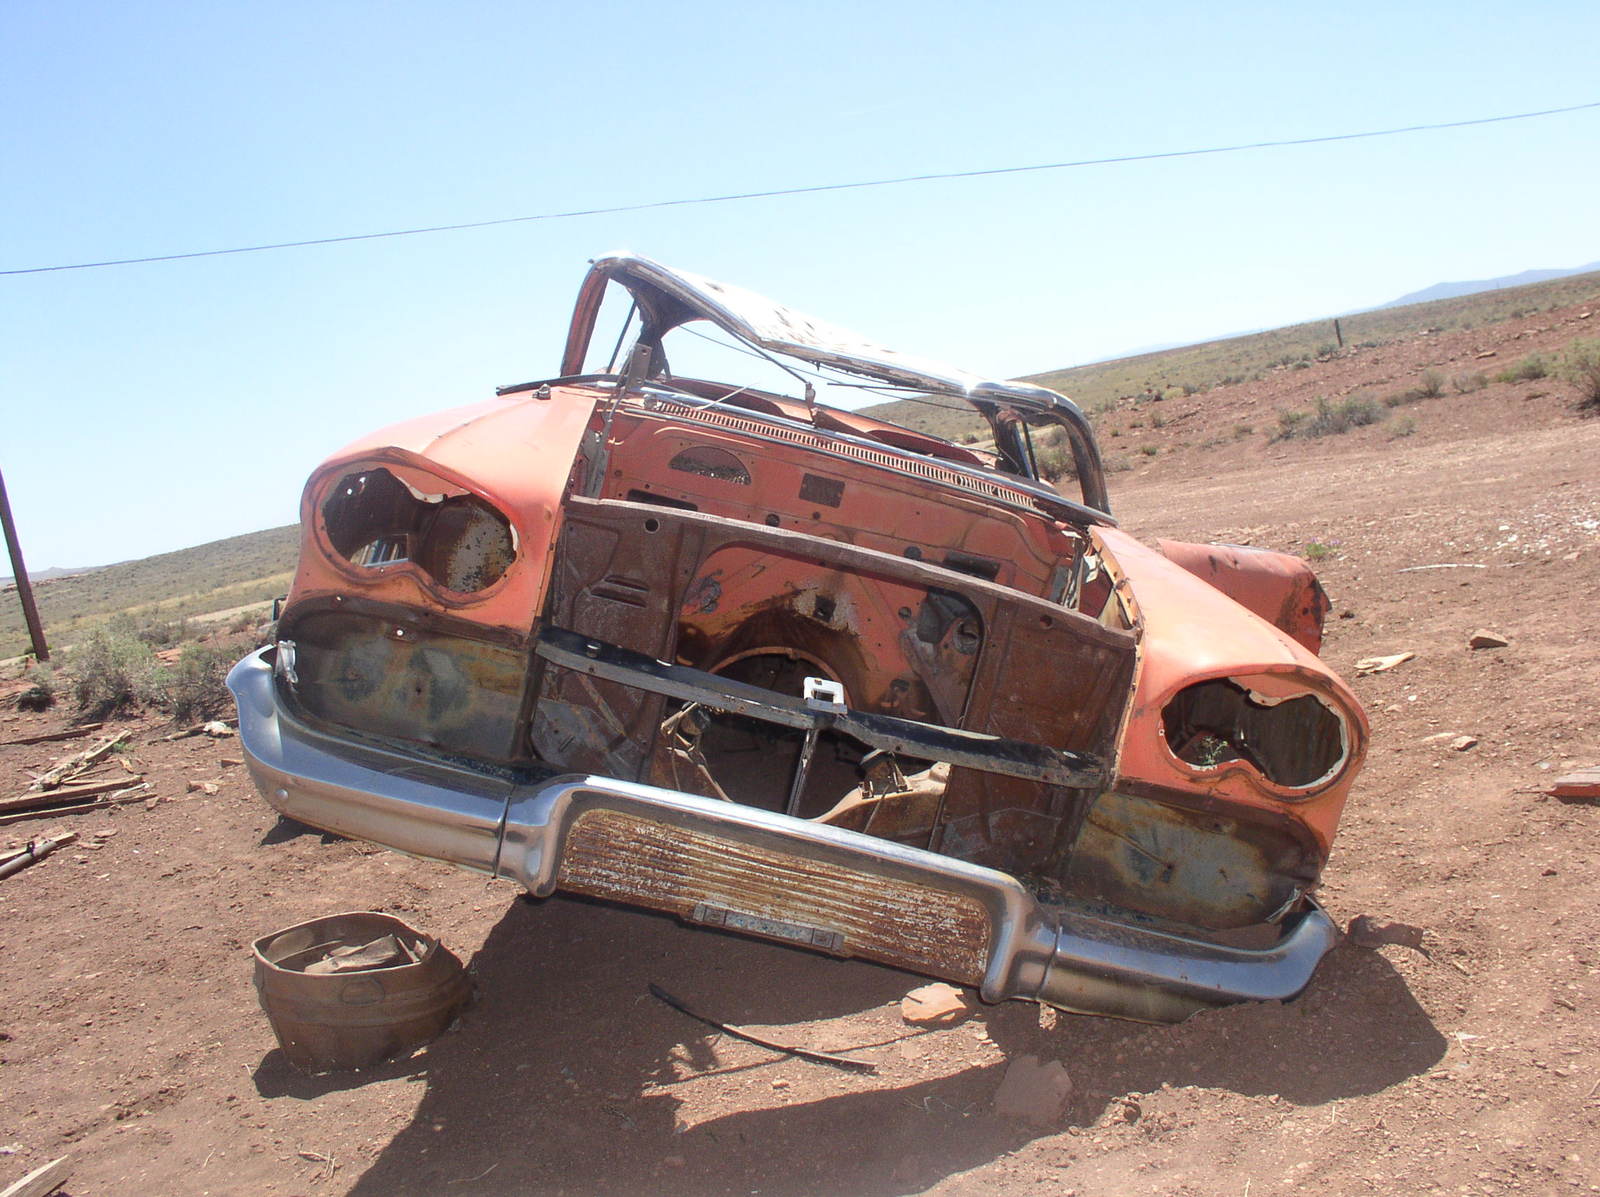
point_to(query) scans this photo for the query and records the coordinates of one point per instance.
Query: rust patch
(675, 869)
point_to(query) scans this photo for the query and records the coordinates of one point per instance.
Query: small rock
(1365, 931)
(936, 1005)
(229, 762)
(204, 787)
(217, 730)
(1381, 664)
(1033, 1090)
(1462, 743)
(1486, 639)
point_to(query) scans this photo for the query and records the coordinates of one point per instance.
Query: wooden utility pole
(24, 588)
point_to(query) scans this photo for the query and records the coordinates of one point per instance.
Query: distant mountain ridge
(1455, 290)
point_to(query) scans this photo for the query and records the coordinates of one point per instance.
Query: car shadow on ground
(565, 1076)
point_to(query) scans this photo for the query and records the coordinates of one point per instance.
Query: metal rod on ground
(35, 852)
(803, 1053)
(30, 613)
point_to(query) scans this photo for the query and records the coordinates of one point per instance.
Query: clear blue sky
(153, 407)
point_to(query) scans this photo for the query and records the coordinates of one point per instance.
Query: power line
(811, 190)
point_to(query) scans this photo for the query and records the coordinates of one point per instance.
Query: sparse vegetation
(1530, 368)
(1431, 384)
(1465, 384)
(1319, 550)
(160, 590)
(41, 692)
(1330, 418)
(1402, 427)
(196, 689)
(113, 670)
(116, 669)
(1580, 365)
(1098, 386)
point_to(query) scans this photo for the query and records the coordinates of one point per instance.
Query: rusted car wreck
(787, 670)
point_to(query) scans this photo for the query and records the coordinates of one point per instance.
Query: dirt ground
(131, 1039)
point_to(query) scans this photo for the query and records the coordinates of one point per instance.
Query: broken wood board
(1577, 787)
(72, 733)
(66, 769)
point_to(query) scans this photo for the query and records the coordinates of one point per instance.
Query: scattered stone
(217, 730)
(936, 1005)
(1380, 664)
(1462, 743)
(1486, 639)
(229, 762)
(204, 787)
(1033, 1090)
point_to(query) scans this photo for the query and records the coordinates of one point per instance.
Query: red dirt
(130, 1035)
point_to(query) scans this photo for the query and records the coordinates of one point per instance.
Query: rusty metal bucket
(349, 990)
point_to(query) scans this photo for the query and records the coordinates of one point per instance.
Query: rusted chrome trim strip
(1092, 965)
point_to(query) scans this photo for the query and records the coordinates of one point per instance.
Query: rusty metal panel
(1201, 868)
(1279, 587)
(1045, 678)
(705, 878)
(605, 585)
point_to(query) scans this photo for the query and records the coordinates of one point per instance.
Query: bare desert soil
(131, 1039)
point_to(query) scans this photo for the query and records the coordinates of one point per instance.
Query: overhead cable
(814, 189)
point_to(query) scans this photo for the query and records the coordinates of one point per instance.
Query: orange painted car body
(604, 573)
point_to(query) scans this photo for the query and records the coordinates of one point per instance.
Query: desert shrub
(1401, 398)
(1465, 384)
(112, 670)
(1240, 431)
(1157, 420)
(158, 634)
(1329, 418)
(1289, 423)
(195, 688)
(1150, 450)
(1431, 384)
(1327, 349)
(1534, 366)
(41, 692)
(1580, 365)
(1402, 427)
(1319, 550)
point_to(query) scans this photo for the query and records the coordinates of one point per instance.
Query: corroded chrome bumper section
(736, 867)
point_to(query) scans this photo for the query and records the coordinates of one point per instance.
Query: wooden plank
(50, 812)
(42, 1181)
(72, 733)
(64, 794)
(75, 764)
(1585, 783)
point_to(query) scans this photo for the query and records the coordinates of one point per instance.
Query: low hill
(1234, 360)
(236, 572)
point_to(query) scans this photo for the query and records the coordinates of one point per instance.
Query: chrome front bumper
(535, 835)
